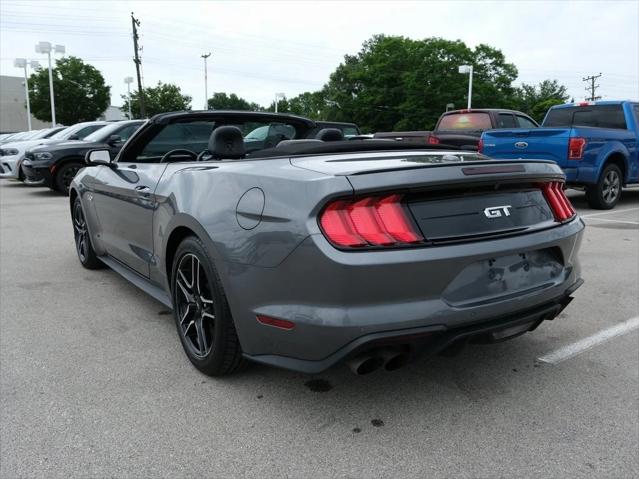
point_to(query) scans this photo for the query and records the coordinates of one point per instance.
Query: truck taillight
(433, 140)
(576, 147)
(480, 146)
(557, 200)
(370, 221)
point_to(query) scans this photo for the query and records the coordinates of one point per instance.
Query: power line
(135, 23)
(592, 87)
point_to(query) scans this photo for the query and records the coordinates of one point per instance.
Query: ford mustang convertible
(303, 252)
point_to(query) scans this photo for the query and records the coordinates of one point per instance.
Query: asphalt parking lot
(94, 382)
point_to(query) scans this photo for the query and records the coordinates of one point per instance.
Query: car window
(465, 121)
(258, 133)
(599, 116)
(524, 122)
(87, 130)
(636, 108)
(506, 120)
(172, 137)
(349, 131)
(126, 132)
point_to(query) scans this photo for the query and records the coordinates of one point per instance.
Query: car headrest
(226, 142)
(285, 143)
(330, 134)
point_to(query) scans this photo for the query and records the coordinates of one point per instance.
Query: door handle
(142, 188)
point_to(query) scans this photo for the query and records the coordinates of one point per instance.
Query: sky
(262, 48)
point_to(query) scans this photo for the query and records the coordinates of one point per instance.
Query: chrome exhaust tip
(365, 364)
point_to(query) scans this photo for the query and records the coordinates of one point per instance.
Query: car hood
(69, 145)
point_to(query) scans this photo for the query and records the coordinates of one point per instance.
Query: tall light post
(46, 47)
(468, 69)
(128, 81)
(278, 96)
(22, 63)
(206, 81)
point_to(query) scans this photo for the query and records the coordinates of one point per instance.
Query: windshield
(465, 121)
(76, 129)
(41, 134)
(105, 132)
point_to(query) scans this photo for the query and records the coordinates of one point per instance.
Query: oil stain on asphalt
(318, 385)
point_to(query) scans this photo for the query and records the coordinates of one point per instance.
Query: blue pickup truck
(595, 143)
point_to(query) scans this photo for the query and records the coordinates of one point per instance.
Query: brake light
(561, 207)
(480, 145)
(369, 221)
(576, 147)
(433, 140)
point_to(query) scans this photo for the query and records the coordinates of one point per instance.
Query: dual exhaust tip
(389, 359)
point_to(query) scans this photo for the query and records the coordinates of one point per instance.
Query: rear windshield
(465, 121)
(599, 116)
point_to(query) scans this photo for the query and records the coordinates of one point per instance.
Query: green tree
(396, 83)
(222, 101)
(80, 92)
(159, 99)
(536, 100)
(309, 104)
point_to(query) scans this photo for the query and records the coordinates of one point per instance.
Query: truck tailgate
(538, 143)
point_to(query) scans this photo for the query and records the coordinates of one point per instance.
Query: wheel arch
(620, 160)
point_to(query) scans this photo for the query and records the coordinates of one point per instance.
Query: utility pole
(592, 88)
(135, 24)
(206, 82)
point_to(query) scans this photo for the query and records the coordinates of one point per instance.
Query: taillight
(480, 145)
(433, 140)
(369, 221)
(576, 148)
(559, 203)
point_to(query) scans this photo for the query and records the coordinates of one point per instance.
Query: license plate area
(496, 279)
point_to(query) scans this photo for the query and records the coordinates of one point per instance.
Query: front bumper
(341, 301)
(35, 174)
(9, 166)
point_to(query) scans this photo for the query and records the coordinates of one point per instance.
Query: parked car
(316, 252)
(12, 153)
(463, 128)
(349, 130)
(56, 164)
(595, 143)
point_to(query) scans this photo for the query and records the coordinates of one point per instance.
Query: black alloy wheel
(65, 176)
(606, 193)
(83, 246)
(194, 306)
(202, 313)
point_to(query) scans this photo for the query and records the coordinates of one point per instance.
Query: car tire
(65, 175)
(606, 193)
(83, 246)
(201, 311)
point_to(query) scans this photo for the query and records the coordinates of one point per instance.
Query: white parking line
(611, 212)
(614, 221)
(582, 345)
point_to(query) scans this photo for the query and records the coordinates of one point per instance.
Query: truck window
(599, 116)
(506, 120)
(465, 121)
(524, 122)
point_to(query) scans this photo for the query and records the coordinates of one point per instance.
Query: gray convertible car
(303, 252)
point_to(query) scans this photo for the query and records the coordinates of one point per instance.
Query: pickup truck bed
(595, 144)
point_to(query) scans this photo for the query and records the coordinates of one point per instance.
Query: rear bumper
(340, 301)
(428, 340)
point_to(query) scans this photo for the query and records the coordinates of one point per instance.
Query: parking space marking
(611, 212)
(614, 221)
(584, 344)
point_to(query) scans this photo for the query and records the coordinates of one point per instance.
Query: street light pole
(468, 69)
(46, 47)
(277, 96)
(22, 63)
(206, 81)
(128, 81)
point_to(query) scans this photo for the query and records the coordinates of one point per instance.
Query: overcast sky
(260, 48)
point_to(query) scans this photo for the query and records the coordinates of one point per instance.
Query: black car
(56, 165)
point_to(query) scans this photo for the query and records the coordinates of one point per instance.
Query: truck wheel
(606, 193)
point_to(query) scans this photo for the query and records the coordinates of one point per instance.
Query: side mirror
(74, 137)
(114, 140)
(98, 157)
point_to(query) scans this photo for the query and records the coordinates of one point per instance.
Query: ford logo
(521, 144)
